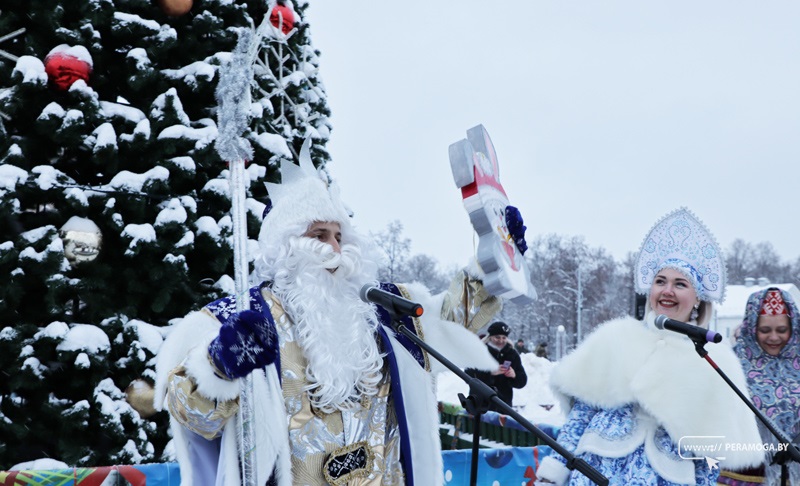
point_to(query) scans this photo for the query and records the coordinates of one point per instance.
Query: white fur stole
(624, 362)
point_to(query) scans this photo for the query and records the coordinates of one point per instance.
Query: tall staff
(233, 98)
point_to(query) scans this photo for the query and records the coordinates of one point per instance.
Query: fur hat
(304, 196)
(682, 242)
(499, 329)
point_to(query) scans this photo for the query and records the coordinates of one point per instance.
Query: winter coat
(636, 395)
(503, 385)
(214, 460)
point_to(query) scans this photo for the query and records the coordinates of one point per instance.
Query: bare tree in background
(399, 267)
(396, 248)
(738, 259)
(425, 270)
(767, 263)
(576, 283)
(758, 260)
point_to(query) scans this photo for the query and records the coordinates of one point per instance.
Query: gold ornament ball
(139, 395)
(82, 240)
(175, 8)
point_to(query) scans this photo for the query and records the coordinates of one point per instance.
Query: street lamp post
(561, 342)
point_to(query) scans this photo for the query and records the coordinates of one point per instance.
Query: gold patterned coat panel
(315, 437)
(201, 415)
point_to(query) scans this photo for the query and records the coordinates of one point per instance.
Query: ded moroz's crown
(303, 196)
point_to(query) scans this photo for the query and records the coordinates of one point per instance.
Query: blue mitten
(248, 341)
(516, 228)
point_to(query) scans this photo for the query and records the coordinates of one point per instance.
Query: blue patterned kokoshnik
(685, 268)
(680, 241)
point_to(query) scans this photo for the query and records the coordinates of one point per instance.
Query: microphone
(695, 333)
(394, 304)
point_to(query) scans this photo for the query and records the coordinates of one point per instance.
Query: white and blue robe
(635, 394)
(397, 429)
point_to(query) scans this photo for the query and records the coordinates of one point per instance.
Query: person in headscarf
(639, 398)
(768, 345)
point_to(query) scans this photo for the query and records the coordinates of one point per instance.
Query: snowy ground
(532, 401)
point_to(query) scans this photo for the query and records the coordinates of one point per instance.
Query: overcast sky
(605, 115)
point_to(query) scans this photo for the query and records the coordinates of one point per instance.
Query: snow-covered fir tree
(114, 204)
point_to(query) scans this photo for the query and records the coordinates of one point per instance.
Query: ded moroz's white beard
(334, 328)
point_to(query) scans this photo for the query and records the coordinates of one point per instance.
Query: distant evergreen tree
(125, 151)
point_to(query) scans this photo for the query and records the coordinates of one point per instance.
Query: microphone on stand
(695, 333)
(392, 303)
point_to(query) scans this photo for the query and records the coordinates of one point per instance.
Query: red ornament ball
(175, 8)
(282, 11)
(64, 65)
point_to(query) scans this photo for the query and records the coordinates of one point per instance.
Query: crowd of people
(341, 398)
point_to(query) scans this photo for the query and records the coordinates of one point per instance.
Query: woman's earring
(695, 313)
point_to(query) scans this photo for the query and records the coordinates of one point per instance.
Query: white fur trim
(270, 420)
(598, 374)
(421, 416)
(181, 452)
(188, 343)
(453, 341)
(623, 362)
(553, 470)
(680, 471)
(199, 368)
(271, 437)
(229, 471)
(196, 330)
(595, 444)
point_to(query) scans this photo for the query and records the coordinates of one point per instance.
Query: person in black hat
(541, 350)
(510, 374)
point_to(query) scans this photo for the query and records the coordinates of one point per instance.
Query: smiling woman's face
(499, 340)
(672, 295)
(773, 332)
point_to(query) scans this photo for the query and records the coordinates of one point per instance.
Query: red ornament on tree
(175, 8)
(64, 65)
(282, 12)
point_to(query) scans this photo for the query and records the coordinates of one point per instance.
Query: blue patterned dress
(624, 426)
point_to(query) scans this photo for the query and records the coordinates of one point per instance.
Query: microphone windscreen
(363, 292)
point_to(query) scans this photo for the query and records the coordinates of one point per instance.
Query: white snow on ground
(535, 401)
(39, 464)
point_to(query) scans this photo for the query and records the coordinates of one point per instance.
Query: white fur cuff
(199, 368)
(553, 470)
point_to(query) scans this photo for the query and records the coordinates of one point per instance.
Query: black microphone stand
(480, 396)
(790, 452)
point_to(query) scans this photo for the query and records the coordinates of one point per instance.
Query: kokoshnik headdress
(681, 241)
(304, 196)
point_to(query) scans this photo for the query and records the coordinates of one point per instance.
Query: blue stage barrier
(513, 465)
